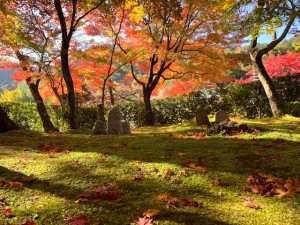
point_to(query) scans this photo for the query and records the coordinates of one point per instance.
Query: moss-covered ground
(57, 172)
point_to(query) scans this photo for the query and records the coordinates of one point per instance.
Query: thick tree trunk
(149, 116)
(268, 86)
(6, 124)
(47, 124)
(256, 55)
(70, 87)
(101, 112)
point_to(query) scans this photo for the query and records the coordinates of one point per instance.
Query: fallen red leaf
(249, 202)
(105, 192)
(183, 172)
(6, 212)
(28, 222)
(34, 197)
(216, 182)
(137, 177)
(200, 169)
(76, 163)
(144, 221)
(16, 185)
(267, 185)
(79, 220)
(101, 160)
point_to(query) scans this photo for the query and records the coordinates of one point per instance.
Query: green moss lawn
(48, 178)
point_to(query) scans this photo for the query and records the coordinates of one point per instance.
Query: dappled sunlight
(63, 170)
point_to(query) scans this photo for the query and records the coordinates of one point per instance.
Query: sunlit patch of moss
(93, 161)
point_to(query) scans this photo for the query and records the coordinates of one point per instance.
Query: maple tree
(70, 14)
(27, 37)
(277, 66)
(176, 39)
(263, 16)
(101, 62)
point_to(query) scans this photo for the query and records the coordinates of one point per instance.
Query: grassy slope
(63, 177)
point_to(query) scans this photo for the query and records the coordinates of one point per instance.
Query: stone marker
(126, 128)
(221, 116)
(100, 127)
(201, 117)
(114, 121)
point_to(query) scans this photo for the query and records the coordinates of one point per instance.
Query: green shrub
(176, 109)
(248, 100)
(293, 108)
(251, 101)
(24, 114)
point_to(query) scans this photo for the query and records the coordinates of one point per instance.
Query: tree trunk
(6, 124)
(64, 54)
(111, 94)
(149, 116)
(59, 98)
(72, 111)
(268, 86)
(101, 113)
(47, 124)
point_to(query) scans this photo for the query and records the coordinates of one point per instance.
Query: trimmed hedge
(248, 100)
(251, 101)
(26, 115)
(174, 110)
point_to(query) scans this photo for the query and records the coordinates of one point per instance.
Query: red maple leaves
(277, 66)
(268, 185)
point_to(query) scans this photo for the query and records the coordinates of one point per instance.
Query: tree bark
(64, 54)
(72, 110)
(34, 89)
(268, 86)
(6, 124)
(149, 116)
(111, 94)
(67, 33)
(256, 56)
(101, 113)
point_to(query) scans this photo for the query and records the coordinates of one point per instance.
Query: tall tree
(103, 61)
(25, 27)
(70, 14)
(179, 39)
(267, 16)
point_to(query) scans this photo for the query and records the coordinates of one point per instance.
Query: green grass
(62, 178)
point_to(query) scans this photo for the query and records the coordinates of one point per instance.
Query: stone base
(226, 127)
